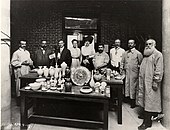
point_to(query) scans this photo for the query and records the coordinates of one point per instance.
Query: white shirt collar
(21, 49)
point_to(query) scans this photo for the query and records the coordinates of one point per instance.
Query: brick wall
(36, 21)
(34, 25)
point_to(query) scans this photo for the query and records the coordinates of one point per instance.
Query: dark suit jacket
(41, 59)
(65, 57)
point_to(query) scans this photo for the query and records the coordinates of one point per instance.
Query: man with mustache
(41, 56)
(116, 55)
(21, 61)
(101, 58)
(150, 76)
(130, 63)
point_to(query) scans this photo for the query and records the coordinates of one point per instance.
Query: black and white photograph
(85, 65)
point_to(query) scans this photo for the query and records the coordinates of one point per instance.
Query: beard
(100, 51)
(148, 51)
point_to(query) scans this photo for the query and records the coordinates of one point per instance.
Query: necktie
(115, 51)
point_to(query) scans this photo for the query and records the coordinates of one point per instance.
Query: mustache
(148, 47)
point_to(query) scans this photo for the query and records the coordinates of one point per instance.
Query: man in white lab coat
(21, 62)
(130, 63)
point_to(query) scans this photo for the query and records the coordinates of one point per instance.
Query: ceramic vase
(51, 71)
(40, 71)
(46, 71)
(92, 83)
(63, 66)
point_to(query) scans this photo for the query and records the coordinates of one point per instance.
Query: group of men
(143, 73)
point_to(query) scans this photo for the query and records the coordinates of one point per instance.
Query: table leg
(120, 104)
(23, 112)
(105, 127)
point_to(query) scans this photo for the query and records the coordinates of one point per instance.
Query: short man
(116, 54)
(130, 63)
(150, 76)
(21, 62)
(101, 58)
(41, 57)
(63, 55)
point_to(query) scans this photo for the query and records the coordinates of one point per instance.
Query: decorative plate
(80, 76)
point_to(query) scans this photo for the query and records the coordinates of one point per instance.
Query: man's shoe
(133, 104)
(141, 117)
(143, 127)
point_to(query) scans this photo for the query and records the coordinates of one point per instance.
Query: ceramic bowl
(40, 80)
(35, 86)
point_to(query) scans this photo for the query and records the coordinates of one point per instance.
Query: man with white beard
(150, 76)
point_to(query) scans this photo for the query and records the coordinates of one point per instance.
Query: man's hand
(155, 86)
(86, 61)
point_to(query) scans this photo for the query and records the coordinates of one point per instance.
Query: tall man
(21, 62)
(101, 58)
(41, 57)
(130, 63)
(150, 76)
(63, 54)
(116, 54)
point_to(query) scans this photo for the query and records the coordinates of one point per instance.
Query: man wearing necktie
(130, 63)
(116, 55)
(41, 57)
(63, 54)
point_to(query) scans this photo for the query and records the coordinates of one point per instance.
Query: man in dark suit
(41, 56)
(63, 54)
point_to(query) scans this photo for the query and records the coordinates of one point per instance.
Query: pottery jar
(68, 86)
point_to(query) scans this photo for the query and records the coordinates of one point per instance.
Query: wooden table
(66, 97)
(114, 85)
(118, 86)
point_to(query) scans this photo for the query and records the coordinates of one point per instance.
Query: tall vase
(92, 83)
(46, 71)
(63, 66)
(40, 71)
(56, 74)
(51, 71)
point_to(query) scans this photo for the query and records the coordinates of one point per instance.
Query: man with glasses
(150, 77)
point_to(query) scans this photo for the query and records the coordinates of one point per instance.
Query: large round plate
(80, 76)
